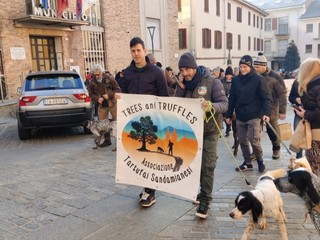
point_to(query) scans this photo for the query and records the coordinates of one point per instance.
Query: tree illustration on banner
(144, 131)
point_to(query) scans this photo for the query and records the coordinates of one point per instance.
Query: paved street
(55, 186)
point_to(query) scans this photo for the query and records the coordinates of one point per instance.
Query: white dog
(262, 202)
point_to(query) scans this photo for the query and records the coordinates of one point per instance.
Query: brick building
(38, 35)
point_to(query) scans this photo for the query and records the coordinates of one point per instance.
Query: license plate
(55, 101)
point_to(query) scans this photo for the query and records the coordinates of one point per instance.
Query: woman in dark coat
(309, 90)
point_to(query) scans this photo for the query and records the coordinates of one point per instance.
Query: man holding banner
(198, 83)
(143, 77)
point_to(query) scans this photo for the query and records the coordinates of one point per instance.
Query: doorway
(43, 53)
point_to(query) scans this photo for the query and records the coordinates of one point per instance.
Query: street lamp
(151, 32)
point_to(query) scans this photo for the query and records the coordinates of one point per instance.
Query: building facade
(220, 32)
(42, 35)
(309, 31)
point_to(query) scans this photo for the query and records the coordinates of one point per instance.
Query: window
(206, 6)
(261, 44)
(309, 48)
(239, 14)
(254, 20)
(283, 25)
(218, 7)
(93, 49)
(258, 44)
(261, 23)
(217, 39)
(43, 53)
(267, 46)
(229, 10)
(183, 38)
(267, 24)
(258, 21)
(206, 38)
(249, 18)
(309, 28)
(249, 43)
(274, 23)
(239, 42)
(282, 47)
(92, 10)
(254, 44)
(229, 41)
(179, 6)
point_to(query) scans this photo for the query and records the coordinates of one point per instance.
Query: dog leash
(275, 132)
(212, 112)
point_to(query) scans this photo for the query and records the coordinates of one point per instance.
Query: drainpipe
(224, 32)
(190, 27)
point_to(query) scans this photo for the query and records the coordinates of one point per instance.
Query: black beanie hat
(187, 60)
(247, 60)
(229, 71)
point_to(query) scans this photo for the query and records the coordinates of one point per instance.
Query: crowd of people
(245, 98)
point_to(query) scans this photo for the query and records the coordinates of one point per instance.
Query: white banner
(159, 143)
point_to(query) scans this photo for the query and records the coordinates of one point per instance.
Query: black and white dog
(262, 202)
(100, 127)
(302, 182)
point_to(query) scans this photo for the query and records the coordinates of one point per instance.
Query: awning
(47, 22)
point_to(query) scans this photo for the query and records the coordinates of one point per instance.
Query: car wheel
(24, 134)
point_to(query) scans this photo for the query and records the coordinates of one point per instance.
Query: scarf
(191, 85)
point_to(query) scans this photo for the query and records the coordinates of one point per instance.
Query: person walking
(294, 98)
(278, 92)
(309, 90)
(194, 78)
(171, 80)
(102, 89)
(226, 82)
(251, 100)
(143, 77)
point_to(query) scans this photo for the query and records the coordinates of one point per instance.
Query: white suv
(52, 99)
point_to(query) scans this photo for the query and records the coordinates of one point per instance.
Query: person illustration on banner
(143, 77)
(170, 146)
(197, 82)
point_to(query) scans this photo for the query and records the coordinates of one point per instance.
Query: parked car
(52, 99)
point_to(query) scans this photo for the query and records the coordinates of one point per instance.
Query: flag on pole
(45, 4)
(79, 9)
(62, 5)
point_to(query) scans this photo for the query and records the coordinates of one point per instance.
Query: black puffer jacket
(147, 80)
(311, 103)
(249, 97)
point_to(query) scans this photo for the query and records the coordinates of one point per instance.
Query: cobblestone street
(55, 186)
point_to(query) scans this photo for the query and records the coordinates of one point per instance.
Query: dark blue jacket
(147, 80)
(249, 97)
(311, 103)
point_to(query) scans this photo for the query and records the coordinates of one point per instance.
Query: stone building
(44, 35)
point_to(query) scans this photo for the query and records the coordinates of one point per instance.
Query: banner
(159, 143)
